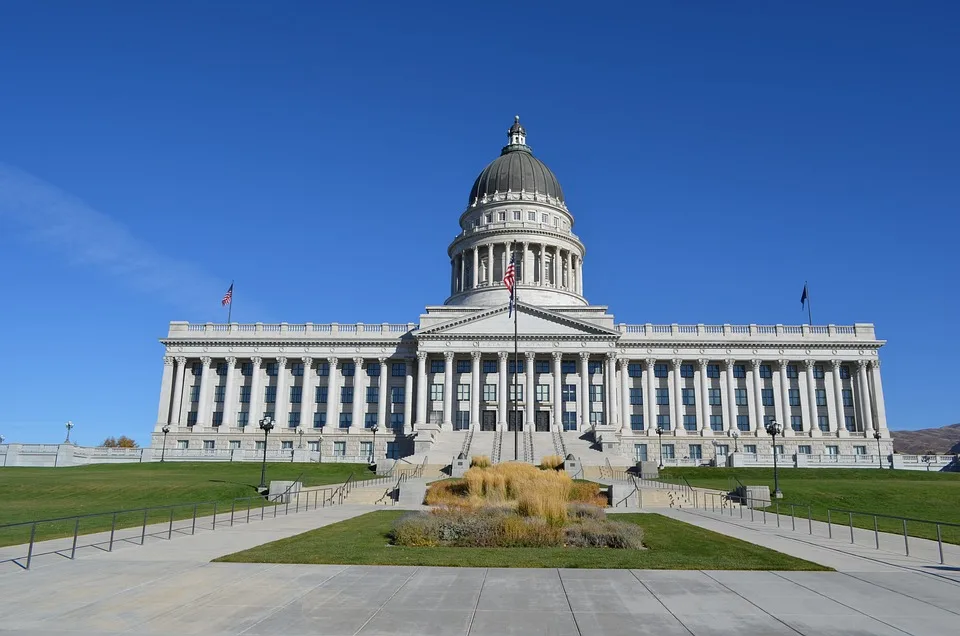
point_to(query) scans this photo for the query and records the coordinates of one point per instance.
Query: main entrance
(542, 421)
(488, 421)
(515, 421)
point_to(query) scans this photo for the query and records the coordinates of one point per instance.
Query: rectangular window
(767, 396)
(660, 370)
(739, 371)
(234, 444)
(396, 395)
(219, 393)
(713, 370)
(596, 393)
(272, 369)
(270, 395)
(296, 394)
(217, 418)
(543, 393)
(636, 396)
(398, 369)
(461, 421)
(396, 421)
(859, 450)
(463, 392)
(794, 397)
(516, 392)
(696, 451)
(663, 422)
(373, 370)
(515, 366)
(750, 448)
(296, 369)
(636, 422)
(688, 396)
(373, 394)
(195, 393)
(844, 372)
(463, 366)
(766, 371)
(313, 446)
(818, 371)
(319, 420)
(821, 397)
(792, 371)
(595, 367)
(293, 419)
(716, 423)
(569, 393)
(804, 449)
(501, 216)
(490, 392)
(346, 419)
(640, 452)
(516, 215)
(686, 370)
(489, 366)
(796, 423)
(346, 394)
(369, 420)
(339, 449)
(689, 422)
(323, 369)
(183, 444)
(723, 450)
(246, 369)
(743, 423)
(221, 368)
(436, 392)
(568, 366)
(714, 395)
(320, 395)
(833, 450)
(596, 418)
(847, 397)
(850, 423)
(541, 366)
(531, 216)
(634, 370)
(348, 369)
(242, 418)
(823, 423)
(779, 449)
(259, 444)
(740, 397)
(668, 452)
(569, 420)
(663, 397)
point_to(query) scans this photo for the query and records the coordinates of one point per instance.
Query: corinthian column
(166, 392)
(382, 395)
(448, 389)
(307, 392)
(584, 390)
(475, 390)
(178, 389)
(229, 398)
(704, 397)
(255, 411)
(558, 389)
(503, 396)
(841, 424)
(474, 279)
(677, 401)
(650, 397)
(530, 397)
(813, 425)
(610, 414)
(408, 396)
(333, 394)
(878, 398)
(863, 386)
(785, 399)
(203, 404)
(283, 395)
(359, 398)
(625, 408)
(421, 389)
(757, 424)
(731, 396)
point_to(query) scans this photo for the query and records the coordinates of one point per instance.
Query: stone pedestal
(572, 467)
(279, 493)
(755, 496)
(648, 470)
(459, 466)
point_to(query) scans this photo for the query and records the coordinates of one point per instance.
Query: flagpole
(809, 308)
(230, 305)
(516, 364)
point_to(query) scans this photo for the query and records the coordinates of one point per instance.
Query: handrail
(636, 489)
(287, 491)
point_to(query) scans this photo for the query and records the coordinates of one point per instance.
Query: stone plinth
(755, 496)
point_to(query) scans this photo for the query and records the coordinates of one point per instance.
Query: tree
(122, 442)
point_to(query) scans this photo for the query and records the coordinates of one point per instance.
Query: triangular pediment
(531, 321)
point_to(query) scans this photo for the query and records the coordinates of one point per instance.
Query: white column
(475, 276)
(584, 390)
(229, 393)
(177, 411)
(203, 407)
(811, 425)
(610, 415)
(785, 399)
(650, 397)
(359, 397)
(580, 274)
(530, 397)
(731, 399)
(704, 398)
(523, 268)
(283, 395)
(382, 396)
(543, 261)
(490, 267)
(839, 423)
(475, 390)
(557, 390)
(878, 398)
(408, 396)
(333, 395)
(421, 389)
(624, 364)
(448, 389)
(255, 411)
(502, 395)
(463, 273)
(307, 394)
(676, 400)
(863, 388)
(166, 392)
(756, 425)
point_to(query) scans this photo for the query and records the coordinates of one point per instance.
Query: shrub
(551, 462)
(447, 492)
(590, 533)
(588, 493)
(416, 530)
(480, 461)
(579, 510)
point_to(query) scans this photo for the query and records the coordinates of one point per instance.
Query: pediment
(531, 321)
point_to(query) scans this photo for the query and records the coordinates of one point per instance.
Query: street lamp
(69, 425)
(876, 436)
(2, 438)
(266, 425)
(300, 433)
(373, 452)
(735, 434)
(163, 449)
(320, 448)
(774, 428)
(660, 443)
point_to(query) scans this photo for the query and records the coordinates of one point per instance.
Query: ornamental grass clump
(591, 533)
(480, 461)
(551, 462)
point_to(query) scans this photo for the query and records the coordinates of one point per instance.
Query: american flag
(228, 297)
(509, 278)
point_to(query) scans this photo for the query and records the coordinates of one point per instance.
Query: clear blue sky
(715, 156)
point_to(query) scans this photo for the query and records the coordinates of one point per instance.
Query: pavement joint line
(733, 591)
(476, 606)
(920, 600)
(659, 600)
(849, 607)
(295, 599)
(569, 604)
(388, 599)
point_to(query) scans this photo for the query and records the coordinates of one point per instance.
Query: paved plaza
(170, 587)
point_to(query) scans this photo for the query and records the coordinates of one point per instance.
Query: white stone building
(585, 384)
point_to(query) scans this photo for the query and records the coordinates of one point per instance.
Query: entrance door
(515, 421)
(488, 421)
(542, 421)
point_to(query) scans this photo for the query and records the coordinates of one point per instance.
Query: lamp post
(69, 426)
(774, 428)
(266, 424)
(660, 443)
(876, 436)
(163, 449)
(373, 451)
(300, 433)
(2, 438)
(735, 434)
(320, 448)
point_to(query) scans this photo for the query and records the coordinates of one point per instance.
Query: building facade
(580, 383)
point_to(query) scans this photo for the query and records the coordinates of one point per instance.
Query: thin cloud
(43, 214)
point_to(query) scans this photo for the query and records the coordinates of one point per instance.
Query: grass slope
(364, 540)
(904, 493)
(28, 494)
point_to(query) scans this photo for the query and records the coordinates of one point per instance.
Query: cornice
(438, 330)
(480, 235)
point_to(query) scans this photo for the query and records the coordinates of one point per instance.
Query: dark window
(686, 370)
(323, 369)
(716, 422)
(792, 371)
(436, 366)
(569, 393)
(489, 366)
(541, 366)
(296, 393)
(270, 395)
(766, 371)
(346, 394)
(743, 422)
(715, 399)
(568, 366)
(348, 369)
(689, 422)
(297, 369)
(373, 370)
(242, 418)
(847, 397)
(794, 397)
(219, 393)
(320, 395)
(767, 396)
(740, 396)
(713, 370)
(246, 368)
(217, 418)
(319, 420)
(463, 366)
(346, 419)
(636, 422)
(594, 367)
(688, 397)
(663, 397)
(634, 370)
(515, 366)
(844, 372)
(373, 394)
(293, 419)
(398, 369)
(821, 397)
(272, 368)
(660, 370)
(739, 371)
(397, 395)
(221, 368)
(636, 396)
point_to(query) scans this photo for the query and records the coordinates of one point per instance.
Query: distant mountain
(943, 441)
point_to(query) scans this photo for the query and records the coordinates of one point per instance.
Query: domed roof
(516, 170)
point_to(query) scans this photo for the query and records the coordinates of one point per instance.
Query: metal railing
(763, 507)
(626, 500)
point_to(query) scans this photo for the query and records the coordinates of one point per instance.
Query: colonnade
(564, 270)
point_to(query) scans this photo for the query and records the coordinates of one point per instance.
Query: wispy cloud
(45, 215)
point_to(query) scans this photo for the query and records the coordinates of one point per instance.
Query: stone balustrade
(283, 330)
(859, 331)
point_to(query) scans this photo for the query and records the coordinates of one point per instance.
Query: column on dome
(731, 409)
(448, 389)
(610, 415)
(881, 409)
(307, 391)
(166, 392)
(408, 396)
(333, 394)
(650, 397)
(502, 395)
(382, 395)
(756, 423)
(453, 275)
(203, 409)
(179, 376)
(524, 275)
(584, 389)
(676, 399)
(359, 399)
(543, 264)
(863, 388)
(475, 390)
(557, 389)
(570, 271)
(281, 415)
(530, 397)
(785, 399)
(840, 424)
(229, 393)
(580, 275)
(256, 391)
(624, 364)
(475, 274)
(812, 424)
(704, 397)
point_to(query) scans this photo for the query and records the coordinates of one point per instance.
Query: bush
(447, 492)
(551, 462)
(579, 510)
(590, 533)
(588, 493)
(480, 461)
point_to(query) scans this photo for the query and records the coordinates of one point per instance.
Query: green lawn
(904, 493)
(28, 494)
(671, 544)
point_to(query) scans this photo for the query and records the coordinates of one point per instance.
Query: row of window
(695, 451)
(660, 370)
(517, 215)
(743, 422)
(339, 448)
(568, 392)
(347, 369)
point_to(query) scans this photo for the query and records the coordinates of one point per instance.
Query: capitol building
(582, 383)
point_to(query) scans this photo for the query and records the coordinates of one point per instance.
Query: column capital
(622, 363)
(231, 360)
(650, 363)
(557, 355)
(448, 356)
(206, 360)
(529, 355)
(610, 355)
(676, 362)
(332, 361)
(422, 356)
(256, 361)
(782, 362)
(358, 361)
(382, 360)
(503, 355)
(476, 355)
(702, 362)
(808, 363)
(861, 364)
(181, 360)
(729, 362)
(307, 361)
(755, 363)
(875, 363)
(282, 361)
(168, 361)
(836, 364)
